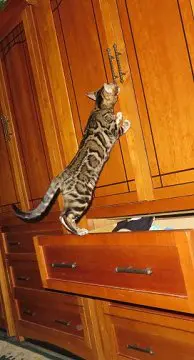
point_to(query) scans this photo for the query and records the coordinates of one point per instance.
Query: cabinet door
(26, 126)
(159, 38)
(84, 68)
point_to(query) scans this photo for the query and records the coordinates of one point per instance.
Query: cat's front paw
(119, 117)
(126, 125)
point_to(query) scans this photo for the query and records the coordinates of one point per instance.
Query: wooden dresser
(49, 316)
(111, 296)
(139, 287)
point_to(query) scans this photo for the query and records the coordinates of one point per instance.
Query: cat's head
(105, 97)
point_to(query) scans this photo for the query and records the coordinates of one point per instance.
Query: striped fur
(77, 182)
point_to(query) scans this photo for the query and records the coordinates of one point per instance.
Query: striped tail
(42, 207)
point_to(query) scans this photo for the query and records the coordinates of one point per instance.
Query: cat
(77, 182)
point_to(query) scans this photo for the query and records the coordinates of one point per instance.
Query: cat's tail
(36, 213)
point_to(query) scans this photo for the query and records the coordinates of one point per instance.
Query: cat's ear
(92, 95)
(108, 88)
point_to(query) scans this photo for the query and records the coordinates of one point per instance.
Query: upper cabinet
(83, 54)
(147, 49)
(89, 59)
(21, 92)
(159, 39)
(25, 165)
(57, 52)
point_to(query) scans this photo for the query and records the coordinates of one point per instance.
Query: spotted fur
(77, 182)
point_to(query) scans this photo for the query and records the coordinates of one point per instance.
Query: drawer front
(56, 311)
(137, 340)
(22, 242)
(145, 267)
(26, 274)
(19, 243)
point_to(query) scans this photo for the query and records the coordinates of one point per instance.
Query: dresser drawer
(25, 273)
(22, 242)
(144, 335)
(150, 268)
(57, 311)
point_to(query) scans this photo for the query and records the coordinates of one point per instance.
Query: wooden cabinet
(47, 109)
(48, 316)
(131, 274)
(52, 53)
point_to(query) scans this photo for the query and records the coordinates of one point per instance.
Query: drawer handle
(133, 270)
(64, 265)
(65, 323)
(146, 350)
(23, 278)
(14, 243)
(29, 312)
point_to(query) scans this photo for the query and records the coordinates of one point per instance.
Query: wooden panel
(22, 242)
(7, 193)
(74, 338)
(72, 28)
(25, 274)
(152, 333)
(167, 82)
(64, 316)
(20, 85)
(132, 143)
(95, 266)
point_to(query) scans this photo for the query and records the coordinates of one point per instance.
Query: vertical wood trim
(192, 5)
(5, 290)
(21, 184)
(41, 261)
(42, 88)
(43, 26)
(187, 14)
(90, 308)
(128, 105)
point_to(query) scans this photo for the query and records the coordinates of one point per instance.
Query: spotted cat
(77, 182)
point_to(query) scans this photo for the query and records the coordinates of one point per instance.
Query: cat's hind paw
(81, 231)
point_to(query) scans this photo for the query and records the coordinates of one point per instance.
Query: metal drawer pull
(64, 265)
(65, 323)
(138, 348)
(29, 312)
(14, 243)
(23, 278)
(117, 56)
(132, 270)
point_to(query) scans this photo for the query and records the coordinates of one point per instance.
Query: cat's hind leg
(68, 220)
